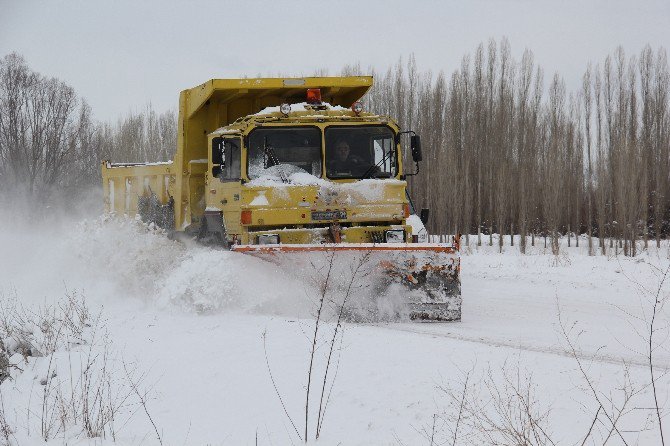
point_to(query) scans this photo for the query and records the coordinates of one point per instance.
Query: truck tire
(215, 237)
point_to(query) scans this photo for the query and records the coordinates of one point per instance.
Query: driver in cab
(342, 161)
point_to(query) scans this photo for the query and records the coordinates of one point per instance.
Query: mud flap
(212, 229)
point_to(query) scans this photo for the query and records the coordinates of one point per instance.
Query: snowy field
(182, 343)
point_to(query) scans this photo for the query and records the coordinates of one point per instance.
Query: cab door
(226, 176)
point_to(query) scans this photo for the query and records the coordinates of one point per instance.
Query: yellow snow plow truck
(288, 168)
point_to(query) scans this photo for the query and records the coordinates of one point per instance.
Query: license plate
(329, 215)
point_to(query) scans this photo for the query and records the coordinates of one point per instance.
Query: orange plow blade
(378, 281)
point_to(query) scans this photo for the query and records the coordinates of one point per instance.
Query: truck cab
(272, 160)
(306, 173)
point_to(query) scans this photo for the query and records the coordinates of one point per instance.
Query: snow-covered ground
(203, 333)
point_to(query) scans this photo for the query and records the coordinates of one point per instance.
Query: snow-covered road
(206, 372)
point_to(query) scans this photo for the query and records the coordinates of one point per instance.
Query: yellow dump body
(124, 184)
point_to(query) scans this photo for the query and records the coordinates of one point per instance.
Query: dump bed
(124, 183)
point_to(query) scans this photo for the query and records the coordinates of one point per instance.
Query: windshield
(281, 152)
(360, 152)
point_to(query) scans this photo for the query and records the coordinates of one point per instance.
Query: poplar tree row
(508, 152)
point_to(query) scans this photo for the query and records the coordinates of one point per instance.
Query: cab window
(360, 152)
(280, 152)
(226, 159)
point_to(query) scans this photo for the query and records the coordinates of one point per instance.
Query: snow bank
(112, 260)
(272, 177)
(390, 377)
(211, 280)
(369, 189)
(418, 228)
(301, 107)
(350, 193)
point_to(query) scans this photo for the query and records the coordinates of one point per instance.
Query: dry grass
(84, 391)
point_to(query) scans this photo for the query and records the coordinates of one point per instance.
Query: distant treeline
(504, 150)
(505, 153)
(50, 145)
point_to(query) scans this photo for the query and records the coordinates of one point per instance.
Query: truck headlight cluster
(395, 236)
(268, 239)
(285, 109)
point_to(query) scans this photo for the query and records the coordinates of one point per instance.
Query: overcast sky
(120, 55)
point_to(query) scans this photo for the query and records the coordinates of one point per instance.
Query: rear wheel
(212, 238)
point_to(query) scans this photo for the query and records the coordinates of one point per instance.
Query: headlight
(268, 239)
(395, 236)
(285, 109)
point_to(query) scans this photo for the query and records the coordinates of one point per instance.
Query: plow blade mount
(376, 282)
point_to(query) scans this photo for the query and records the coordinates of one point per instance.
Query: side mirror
(425, 212)
(416, 148)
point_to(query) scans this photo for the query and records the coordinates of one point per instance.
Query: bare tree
(37, 128)
(586, 89)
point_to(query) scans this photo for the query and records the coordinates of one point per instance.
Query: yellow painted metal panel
(123, 184)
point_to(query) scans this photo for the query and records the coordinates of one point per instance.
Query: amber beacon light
(314, 96)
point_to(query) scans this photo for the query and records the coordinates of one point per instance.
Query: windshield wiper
(271, 157)
(372, 169)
